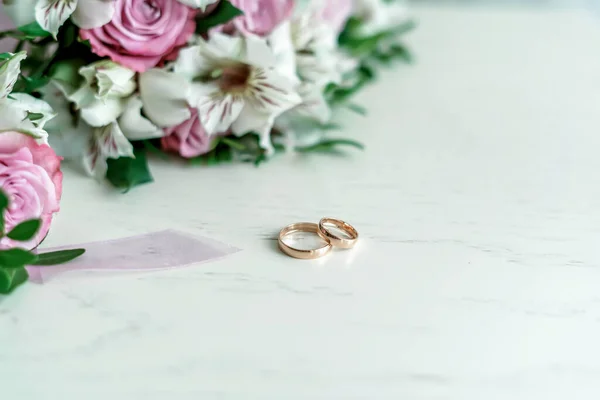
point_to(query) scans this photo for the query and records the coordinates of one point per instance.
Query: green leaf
(11, 278)
(33, 30)
(5, 56)
(126, 173)
(25, 230)
(224, 13)
(233, 144)
(330, 145)
(16, 258)
(3, 207)
(357, 108)
(58, 257)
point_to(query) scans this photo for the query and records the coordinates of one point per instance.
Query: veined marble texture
(478, 275)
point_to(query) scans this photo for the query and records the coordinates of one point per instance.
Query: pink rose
(261, 16)
(143, 33)
(337, 13)
(31, 178)
(189, 138)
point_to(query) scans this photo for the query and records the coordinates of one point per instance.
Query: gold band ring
(302, 254)
(344, 243)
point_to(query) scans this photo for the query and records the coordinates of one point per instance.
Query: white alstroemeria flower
(18, 111)
(164, 96)
(380, 15)
(51, 14)
(201, 4)
(134, 125)
(235, 84)
(72, 138)
(105, 142)
(319, 59)
(9, 73)
(25, 113)
(101, 98)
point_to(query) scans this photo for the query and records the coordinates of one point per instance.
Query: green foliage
(58, 257)
(126, 173)
(33, 30)
(224, 13)
(25, 230)
(330, 146)
(11, 278)
(16, 258)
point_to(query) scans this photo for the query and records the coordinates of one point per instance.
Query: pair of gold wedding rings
(321, 229)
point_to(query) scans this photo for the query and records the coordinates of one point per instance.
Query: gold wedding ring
(336, 241)
(302, 254)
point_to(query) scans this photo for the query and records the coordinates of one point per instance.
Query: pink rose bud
(31, 178)
(188, 139)
(261, 16)
(143, 33)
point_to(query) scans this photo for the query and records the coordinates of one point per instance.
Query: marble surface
(477, 278)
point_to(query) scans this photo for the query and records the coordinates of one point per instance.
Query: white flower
(380, 15)
(201, 4)
(24, 113)
(18, 111)
(105, 142)
(134, 125)
(9, 73)
(51, 14)
(319, 58)
(235, 84)
(101, 98)
(164, 96)
(72, 138)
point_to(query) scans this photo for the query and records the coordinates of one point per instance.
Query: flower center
(234, 78)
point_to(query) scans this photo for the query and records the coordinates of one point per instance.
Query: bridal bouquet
(106, 82)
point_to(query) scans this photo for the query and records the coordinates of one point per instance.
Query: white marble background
(478, 276)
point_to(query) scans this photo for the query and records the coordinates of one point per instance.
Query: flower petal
(134, 125)
(51, 14)
(21, 12)
(164, 95)
(251, 120)
(103, 112)
(106, 142)
(218, 112)
(201, 4)
(272, 92)
(24, 113)
(9, 73)
(93, 13)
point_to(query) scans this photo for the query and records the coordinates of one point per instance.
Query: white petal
(313, 104)
(103, 112)
(201, 4)
(9, 73)
(116, 81)
(283, 50)
(134, 125)
(106, 142)
(21, 12)
(68, 135)
(43, 111)
(24, 113)
(217, 113)
(93, 13)
(51, 14)
(272, 92)
(164, 96)
(193, 62)
(251, 120)
(258, 52)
